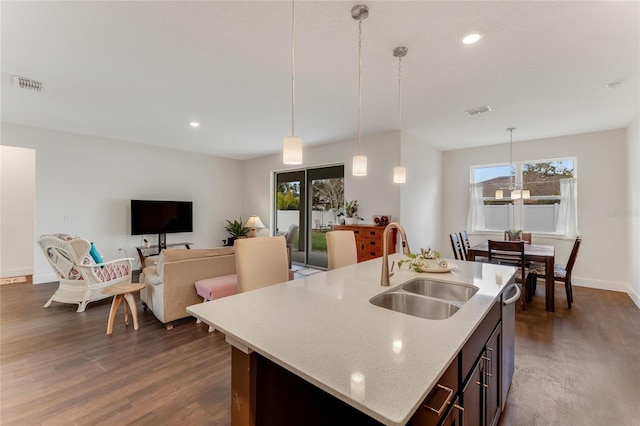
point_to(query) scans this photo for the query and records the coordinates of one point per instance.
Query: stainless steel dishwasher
(509, 297)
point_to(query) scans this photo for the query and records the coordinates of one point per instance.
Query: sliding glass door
(311, 200)
(290, 209)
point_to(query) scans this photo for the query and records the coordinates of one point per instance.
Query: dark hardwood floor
(60, 367)
(578, 366)
(573, 367)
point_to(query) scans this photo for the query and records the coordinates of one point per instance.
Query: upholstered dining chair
(511, 253)
(341, 249)
(261, 262)
(560, 273)
(456, 246)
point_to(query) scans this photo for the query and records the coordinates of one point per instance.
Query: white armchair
(290, 238)
(81, 279)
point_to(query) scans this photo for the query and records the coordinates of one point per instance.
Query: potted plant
(514, 235)
(426, 259)
(351, 212)
(236, 229)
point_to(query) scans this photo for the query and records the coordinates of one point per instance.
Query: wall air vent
(27, 83)
(479, 110)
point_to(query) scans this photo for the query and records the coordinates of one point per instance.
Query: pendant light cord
(359, 83)
(512, 185)
(293, 68)
(400, 110)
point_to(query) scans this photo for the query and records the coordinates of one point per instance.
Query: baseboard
(601, 285)
(44, 278)
(15, 272)
(605, 285)
(635, 297)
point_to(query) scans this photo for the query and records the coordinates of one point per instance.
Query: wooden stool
(120, 292)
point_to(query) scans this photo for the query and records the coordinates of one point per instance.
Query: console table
(143, 249)
(369, 240)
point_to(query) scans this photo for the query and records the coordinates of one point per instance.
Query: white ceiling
(140, 71)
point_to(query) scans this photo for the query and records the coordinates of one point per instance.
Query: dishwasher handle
(515, 297)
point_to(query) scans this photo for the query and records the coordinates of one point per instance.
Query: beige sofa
(170, 284)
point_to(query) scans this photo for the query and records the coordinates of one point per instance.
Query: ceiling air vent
(479, 110)
(27, 83)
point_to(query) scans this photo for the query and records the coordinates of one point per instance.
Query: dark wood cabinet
(468, 393)
(481, 393)
(369, 240)
(438, 404)
(492, 377)
(453, 417)
(472, 394)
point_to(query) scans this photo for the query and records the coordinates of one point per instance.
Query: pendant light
(400, 173)
(292, 145)
(359, 13)
(516, 190)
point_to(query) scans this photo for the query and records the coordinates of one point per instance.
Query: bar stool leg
(112, 313)
(126, 310)
(134, 310)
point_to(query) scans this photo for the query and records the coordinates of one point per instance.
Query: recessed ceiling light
(472, 38)
(194, 124)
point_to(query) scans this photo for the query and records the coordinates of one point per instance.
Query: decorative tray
(450, 267)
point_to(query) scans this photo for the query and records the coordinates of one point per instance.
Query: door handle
(514, 298)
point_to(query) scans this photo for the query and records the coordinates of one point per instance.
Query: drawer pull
(488, 365)
(446, 401)
(482, 384)
(490, 362)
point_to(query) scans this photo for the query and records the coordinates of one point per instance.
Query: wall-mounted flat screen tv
(161, 217)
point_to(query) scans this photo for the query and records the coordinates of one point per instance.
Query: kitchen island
(356, 357)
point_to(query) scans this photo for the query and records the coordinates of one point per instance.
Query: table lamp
(254, 223)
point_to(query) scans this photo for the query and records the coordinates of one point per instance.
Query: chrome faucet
(384, 278)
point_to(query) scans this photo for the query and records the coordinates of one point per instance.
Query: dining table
(544, 253)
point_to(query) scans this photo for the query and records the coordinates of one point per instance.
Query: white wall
(421, 195)
(633, 211)
(17, 204)
(84, 186)
(602, 191)
(376, 193)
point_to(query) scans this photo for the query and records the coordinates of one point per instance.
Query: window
(544, 200)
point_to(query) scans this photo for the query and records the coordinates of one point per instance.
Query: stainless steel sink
(415, 305)
(440, 290)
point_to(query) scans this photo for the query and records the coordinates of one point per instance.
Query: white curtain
(567, 224)
(475, 215)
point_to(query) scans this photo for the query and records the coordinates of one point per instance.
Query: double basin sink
(426, 298)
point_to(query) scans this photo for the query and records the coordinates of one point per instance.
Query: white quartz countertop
(324, 329)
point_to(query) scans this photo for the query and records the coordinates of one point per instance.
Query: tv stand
(143, 251)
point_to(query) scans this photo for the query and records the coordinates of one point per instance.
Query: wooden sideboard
(369, 240)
